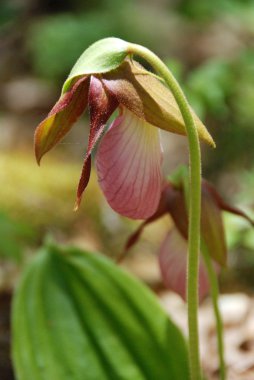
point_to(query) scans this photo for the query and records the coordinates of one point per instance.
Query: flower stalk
(214, 289)
(194, 202)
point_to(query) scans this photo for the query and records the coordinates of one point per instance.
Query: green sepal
(102, 56)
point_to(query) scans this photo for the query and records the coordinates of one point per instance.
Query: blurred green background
(210, 48)
(209, 45)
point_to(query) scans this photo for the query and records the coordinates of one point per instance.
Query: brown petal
(101, 107)
(149, 99)
(59, 121)
(225, 206)
(212, 229)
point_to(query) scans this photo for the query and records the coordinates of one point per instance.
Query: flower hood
(129, 155)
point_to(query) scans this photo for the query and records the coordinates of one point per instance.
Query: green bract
(101, 57)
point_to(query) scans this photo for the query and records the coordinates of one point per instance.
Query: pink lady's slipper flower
(129, 154)
(173, 250)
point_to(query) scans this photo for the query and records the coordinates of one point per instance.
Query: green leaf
(77, 316)
(101, 57)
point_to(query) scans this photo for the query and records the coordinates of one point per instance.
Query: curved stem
(215, 295)
(194, 203)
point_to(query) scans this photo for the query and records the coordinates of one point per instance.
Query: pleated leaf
(77, 316)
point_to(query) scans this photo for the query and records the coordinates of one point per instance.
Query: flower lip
(128, 163)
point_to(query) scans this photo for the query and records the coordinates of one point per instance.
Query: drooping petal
(101, 107)
(128, 163)
(144, 95)
(173, 265)
(223, 205)
(61, 118)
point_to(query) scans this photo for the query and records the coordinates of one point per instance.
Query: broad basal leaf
(77, 316)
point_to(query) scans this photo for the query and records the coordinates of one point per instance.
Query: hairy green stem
(215, 295)
(194, 203)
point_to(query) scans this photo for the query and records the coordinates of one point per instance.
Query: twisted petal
(61, 118)
(128, 163)
(101, 107)
(223, 205)
(173, 263)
